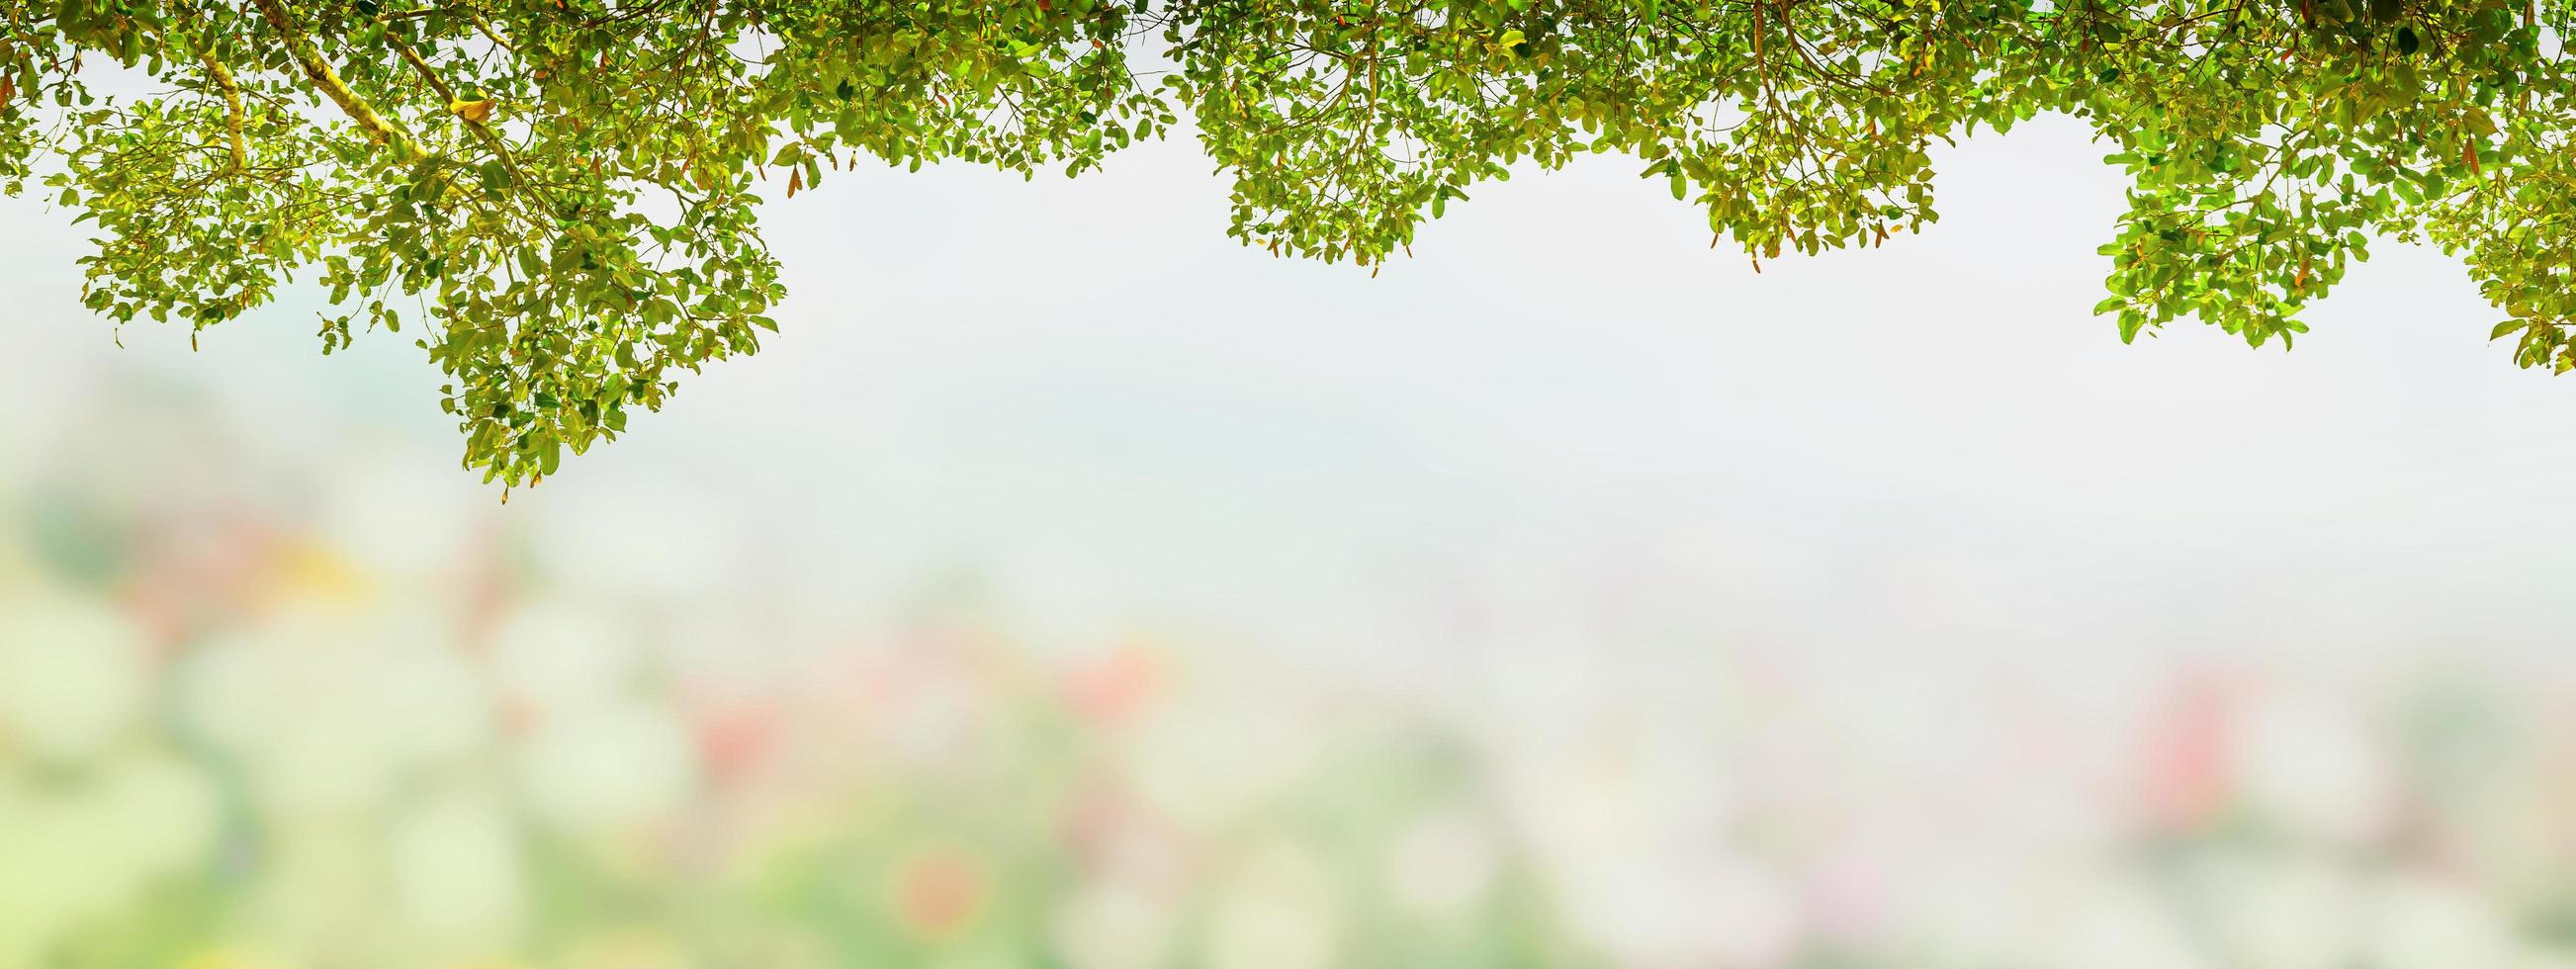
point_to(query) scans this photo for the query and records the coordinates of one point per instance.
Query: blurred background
(1068, 587)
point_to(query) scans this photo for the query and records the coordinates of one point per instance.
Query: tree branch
(232, 109)
(481, 132)
(323, 77)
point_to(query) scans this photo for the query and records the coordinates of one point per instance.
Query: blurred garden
(263, 712)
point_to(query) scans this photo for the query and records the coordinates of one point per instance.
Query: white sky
(1567, 405)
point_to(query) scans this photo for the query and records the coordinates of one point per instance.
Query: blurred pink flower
(939, 892)
(2184, 756)
(1116, 686)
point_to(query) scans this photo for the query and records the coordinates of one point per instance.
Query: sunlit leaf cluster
(558, 199)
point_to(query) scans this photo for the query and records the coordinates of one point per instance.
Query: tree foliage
(563, 193)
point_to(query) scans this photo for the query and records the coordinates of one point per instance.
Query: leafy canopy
(562, 193)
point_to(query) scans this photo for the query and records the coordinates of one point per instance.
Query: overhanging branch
(319, 71)
(232, 109)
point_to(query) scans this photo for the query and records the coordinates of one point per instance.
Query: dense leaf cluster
(563, 192)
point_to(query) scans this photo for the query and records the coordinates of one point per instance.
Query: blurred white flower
(974, 956)
(1275, 911)
(1108, 925)
(2511, 823)
(72, 675)
(155, 814)
(456, 870)
(226, 691)
(1581, 809)
(564, 656)
(46, 881)
(70, 851)
(1665, 912)
(617, 763)
(2294, 912)
(320, 895)
(435, 709)
(336, 764)
(2313, 766)
(1218, 754)
(940, 715)
(1969, 908)
(1443, 864)
(2418, 922)
(2119, 925)
(331, 709)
